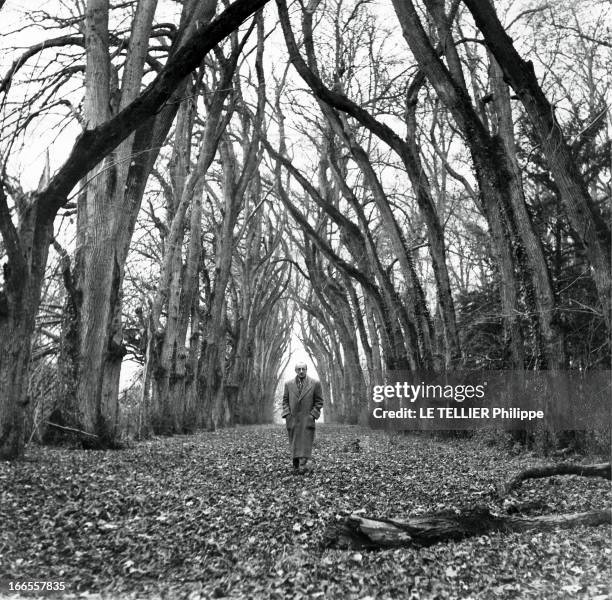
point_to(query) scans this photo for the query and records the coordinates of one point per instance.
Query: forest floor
(221, 515)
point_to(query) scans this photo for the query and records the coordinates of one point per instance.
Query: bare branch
(93, 145)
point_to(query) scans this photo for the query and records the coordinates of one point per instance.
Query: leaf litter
(221, 515)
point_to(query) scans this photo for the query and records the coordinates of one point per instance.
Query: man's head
(300, 369)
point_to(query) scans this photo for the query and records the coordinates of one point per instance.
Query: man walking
(302, 403)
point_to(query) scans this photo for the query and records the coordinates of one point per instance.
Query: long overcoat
(301, 410)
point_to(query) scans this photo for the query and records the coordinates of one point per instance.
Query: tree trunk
(214, 358)
(95, 259)
(129, 189)
(409, 154)
(435, 235)
(371, 533)
(415, 301)
(494, 179)
(167, 361)
(235, 187)
(14, 361)
(485, 153)
(90, 363)
(418, 326)
(27, 247)
(586, 220)
(376, 375)
(551, 347)
(112, 203)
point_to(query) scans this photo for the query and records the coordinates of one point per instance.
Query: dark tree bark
(372, 533)
(27, 247)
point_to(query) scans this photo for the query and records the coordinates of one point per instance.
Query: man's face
(301, 369)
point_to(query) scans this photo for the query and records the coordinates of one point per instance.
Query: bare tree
(27, 238)
(406, 150)
(583, 214)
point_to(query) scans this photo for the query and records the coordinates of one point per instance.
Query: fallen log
(597, 470)
(359, 532)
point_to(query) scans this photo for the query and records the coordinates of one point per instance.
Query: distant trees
(526, 324)
(430, 199)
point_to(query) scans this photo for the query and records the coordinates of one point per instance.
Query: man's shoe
(305, 466)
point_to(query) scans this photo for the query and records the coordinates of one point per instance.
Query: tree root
(597, 470)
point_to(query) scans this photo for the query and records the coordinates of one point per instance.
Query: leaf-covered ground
(220, 515)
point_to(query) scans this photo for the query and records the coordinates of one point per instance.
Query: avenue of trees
(401, 185)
